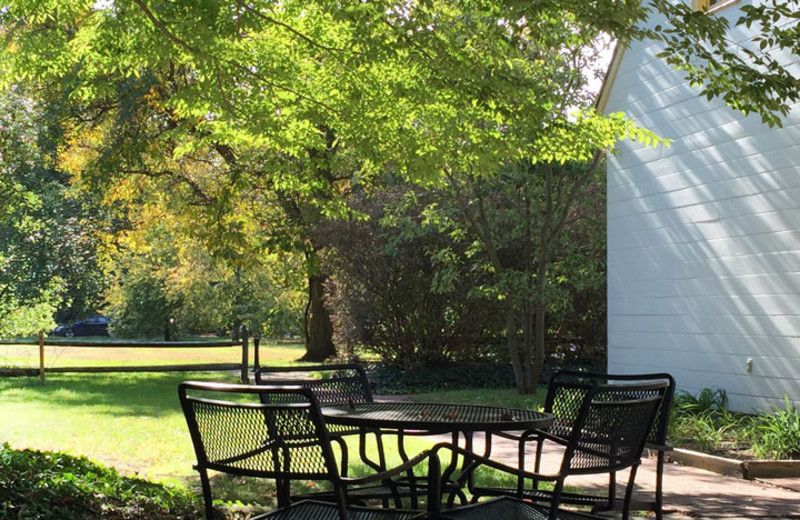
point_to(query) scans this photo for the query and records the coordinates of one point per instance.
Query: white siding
(704, 240)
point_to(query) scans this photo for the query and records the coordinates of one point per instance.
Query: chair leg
(283, 492)
(611, 500)
(555, 499)
(341, 500)
(626, 505)
(521, 465)
(612, 490)
(659, 503)
(536, 462)
(206, 485)
(434, 486)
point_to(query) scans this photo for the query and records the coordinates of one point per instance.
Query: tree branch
(192, 50)
(479, 224)
(202, 196)
(572, 194)
(291, 29)
(163, 28)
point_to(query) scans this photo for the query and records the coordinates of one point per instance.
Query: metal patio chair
(564, 396)
(235, 432)
(338, 384)
(608, 434)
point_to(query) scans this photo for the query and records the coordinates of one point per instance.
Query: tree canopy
(412, 86)
(49, 249)
(263, 117)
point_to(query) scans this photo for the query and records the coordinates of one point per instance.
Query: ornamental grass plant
(776, 435)
(704, 423)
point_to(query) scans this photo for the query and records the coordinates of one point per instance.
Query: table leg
(401, 449)
(362, 449)
(466, 474)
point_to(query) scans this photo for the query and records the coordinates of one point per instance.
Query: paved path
(688, 491)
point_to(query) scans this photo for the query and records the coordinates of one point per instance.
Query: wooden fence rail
(42, 342)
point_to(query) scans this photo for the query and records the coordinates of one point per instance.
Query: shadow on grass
(151, 394)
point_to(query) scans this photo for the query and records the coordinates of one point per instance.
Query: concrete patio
(691, 492)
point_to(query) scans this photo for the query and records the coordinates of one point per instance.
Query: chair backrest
(339, 384)
(611, 427)
(568, 387)
(233, 431)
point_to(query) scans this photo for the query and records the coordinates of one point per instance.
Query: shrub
(708, 401)
(37, 485)
(387, 379)
(387, 289)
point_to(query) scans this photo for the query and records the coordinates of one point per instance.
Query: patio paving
(688, 491)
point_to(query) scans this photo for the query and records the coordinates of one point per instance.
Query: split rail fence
(243, 366)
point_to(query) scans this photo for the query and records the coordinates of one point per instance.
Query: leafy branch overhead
(412, 85)
(255, 122)
(744, 72)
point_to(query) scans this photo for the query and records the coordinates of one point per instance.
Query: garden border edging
(747, 469)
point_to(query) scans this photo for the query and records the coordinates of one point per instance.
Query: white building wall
(703, 240)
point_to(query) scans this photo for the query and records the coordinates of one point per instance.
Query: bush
(139, 307)
(37, 485)
(707, 402)
(388, 379)
(385, 298)
(704, 422)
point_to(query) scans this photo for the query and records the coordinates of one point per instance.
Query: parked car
(92, 326)
(61, 330)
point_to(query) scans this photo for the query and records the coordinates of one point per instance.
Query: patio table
(437, 418)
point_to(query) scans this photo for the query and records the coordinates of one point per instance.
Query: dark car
(92, 326)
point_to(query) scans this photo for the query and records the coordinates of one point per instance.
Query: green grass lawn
(134, 423)
(130, 421)
(27, 356)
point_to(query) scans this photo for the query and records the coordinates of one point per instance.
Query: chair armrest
(509, 435)
(527, 435)
(478, 460)
(383, 475)
(530, 436)
(542, 435)
(659, 447)
(344, 457)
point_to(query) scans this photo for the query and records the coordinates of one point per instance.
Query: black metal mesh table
(435, 417)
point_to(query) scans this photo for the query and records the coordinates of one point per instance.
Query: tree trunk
(237, 324)
(512, 342)
(537, 361)
(237, 300)
(540, 313)
(318, 325)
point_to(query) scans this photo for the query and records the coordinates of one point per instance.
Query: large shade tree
(49, 251)
(163, 275)
(300, 102)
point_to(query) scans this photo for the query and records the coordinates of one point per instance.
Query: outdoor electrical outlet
(749, 364)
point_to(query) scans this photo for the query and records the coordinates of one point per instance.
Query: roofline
(611, 76)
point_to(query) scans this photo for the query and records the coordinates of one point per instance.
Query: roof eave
(611, 75)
